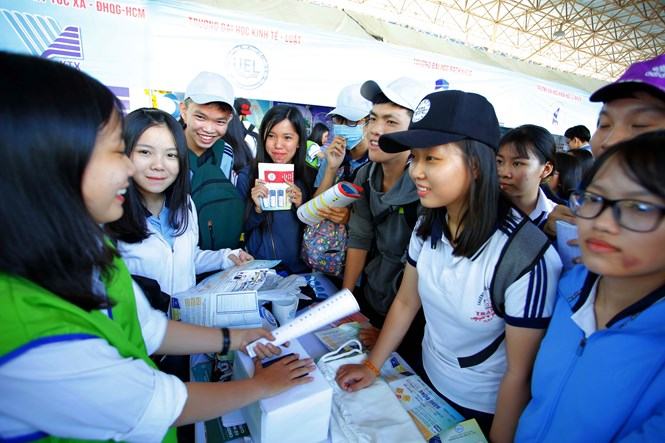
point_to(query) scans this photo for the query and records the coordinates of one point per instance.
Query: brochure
(275, 176)
(340, 195)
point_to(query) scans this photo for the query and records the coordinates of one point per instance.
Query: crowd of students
(94, 198)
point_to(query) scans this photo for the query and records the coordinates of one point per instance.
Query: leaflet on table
(275, 176)
(340, 195)
(430, 412)
(243, 277)
(217, 309)
(466, 432)
(333, 338)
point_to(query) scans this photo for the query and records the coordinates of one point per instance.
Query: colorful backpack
(324, 247)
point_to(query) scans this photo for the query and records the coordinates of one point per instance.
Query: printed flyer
(275, 176)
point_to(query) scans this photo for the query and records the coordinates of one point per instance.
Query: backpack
(525, 247)
(219, 206)
(324, 247)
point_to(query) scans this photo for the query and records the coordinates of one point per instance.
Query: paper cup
(284, 309)
(566, 231)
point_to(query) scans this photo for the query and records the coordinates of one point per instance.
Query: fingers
(234, 259)
(352, 378)
(266, 350)
(245, 257)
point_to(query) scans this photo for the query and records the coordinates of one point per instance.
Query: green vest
(30, 314)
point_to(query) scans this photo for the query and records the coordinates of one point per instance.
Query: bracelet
(226, 341)
(369, 365)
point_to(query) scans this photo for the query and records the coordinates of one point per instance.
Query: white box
(298, 415)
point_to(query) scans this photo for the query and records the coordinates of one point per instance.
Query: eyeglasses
(634, 215)
(339, 120)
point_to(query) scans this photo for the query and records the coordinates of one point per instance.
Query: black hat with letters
(444, 117)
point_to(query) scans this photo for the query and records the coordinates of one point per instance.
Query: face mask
(353, 135)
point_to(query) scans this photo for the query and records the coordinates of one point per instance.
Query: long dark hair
(642, 159)
(51, 116)
(570, 169)
(235, 136)
(485, 206)
(276, 115)
(317, 133)
(132, 227)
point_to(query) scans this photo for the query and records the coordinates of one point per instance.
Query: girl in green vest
(76, 332)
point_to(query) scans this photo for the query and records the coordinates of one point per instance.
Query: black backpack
(218, 203)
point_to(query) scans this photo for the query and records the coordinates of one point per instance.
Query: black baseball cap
(444, 117)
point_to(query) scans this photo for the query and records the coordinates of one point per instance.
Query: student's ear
(547, 170)
(183, 111)
(475, 170)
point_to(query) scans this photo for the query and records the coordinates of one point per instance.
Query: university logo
(42, 35)
(248, 66)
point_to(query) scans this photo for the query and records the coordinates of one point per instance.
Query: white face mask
(369, 415)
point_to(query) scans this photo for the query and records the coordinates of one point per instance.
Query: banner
(148, 51)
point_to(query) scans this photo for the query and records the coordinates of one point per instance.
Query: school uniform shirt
(464, 350)
(139, 409)
(175, 266)
(542, 210)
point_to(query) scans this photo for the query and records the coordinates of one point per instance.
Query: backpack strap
(524, 248)
(223, 155)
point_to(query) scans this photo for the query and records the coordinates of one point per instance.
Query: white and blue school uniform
(464, 351)
(542, 210)
(172, 261)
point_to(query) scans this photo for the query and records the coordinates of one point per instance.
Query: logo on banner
(42, 36)
(248, 66)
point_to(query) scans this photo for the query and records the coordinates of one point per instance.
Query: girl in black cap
(478, 351)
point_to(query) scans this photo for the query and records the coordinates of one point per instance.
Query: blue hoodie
(607, 387)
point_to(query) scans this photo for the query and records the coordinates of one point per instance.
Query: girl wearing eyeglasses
(599, 373)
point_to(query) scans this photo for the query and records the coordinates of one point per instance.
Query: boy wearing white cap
(348, 150)
(206, 112)
(381, 222)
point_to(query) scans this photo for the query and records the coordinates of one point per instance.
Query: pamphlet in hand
(338, 196)
(275, 176)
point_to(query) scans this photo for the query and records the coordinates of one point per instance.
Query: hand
(559, 212)
(294, 193)
(368, 335)
(284, 374)
(336, 215)
(240, 258)
(335, 153)
(353, 378)
(240, 338)
(258, 192)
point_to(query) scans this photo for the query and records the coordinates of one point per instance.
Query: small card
(275, 176)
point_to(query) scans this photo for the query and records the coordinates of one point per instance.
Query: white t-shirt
(454, 292)
(85, 389)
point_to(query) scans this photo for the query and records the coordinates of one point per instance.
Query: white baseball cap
(208, 87)
(405, 92)
(351, 105)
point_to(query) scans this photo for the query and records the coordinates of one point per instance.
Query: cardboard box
(299, 415)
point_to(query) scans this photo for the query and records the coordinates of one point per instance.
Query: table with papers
(437, 421)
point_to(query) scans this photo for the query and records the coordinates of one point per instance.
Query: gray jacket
(378, 224)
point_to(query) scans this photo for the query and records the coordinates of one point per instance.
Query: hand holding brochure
(333, 308)
(275, 176)
(338, 196)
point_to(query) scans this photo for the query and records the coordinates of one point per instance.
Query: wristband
(226, 341)
(369, 365)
